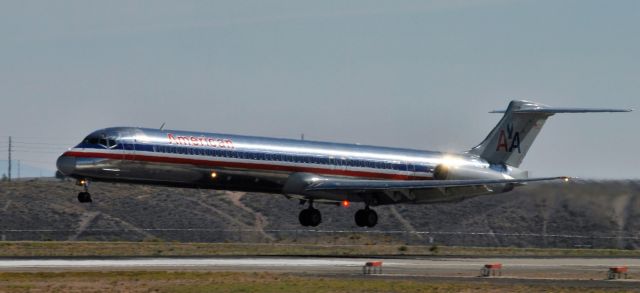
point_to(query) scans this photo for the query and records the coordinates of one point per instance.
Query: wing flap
(364, 185)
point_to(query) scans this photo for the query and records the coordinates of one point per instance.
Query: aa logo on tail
(509, 141)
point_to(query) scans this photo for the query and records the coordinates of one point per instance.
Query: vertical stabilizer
(510, 140)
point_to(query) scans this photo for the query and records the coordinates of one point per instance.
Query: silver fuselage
(258, 164)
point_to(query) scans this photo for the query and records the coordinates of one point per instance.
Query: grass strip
(151, 281)
(139, 249)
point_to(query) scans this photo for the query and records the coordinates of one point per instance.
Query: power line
(58, 138)
(15, 147)
(38, 143)
(37, 151)
(39, 147)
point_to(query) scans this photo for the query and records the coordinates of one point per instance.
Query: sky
(415, 74)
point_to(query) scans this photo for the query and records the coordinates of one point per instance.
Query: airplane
(313, 171)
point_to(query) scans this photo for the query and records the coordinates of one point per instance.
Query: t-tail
(509, 141)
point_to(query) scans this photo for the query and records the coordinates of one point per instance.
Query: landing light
(345, 203)
(566, 179)
(214, 175)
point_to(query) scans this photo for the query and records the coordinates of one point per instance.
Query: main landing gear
(84, 196)
(310, 216)
(366, 217)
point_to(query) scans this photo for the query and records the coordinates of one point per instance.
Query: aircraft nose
(66, 164)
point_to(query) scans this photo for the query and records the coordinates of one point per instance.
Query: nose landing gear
(84, 196)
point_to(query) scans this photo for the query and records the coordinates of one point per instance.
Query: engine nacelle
(298, 182)
(445, 172)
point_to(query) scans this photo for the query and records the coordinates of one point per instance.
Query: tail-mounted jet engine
(447, 172)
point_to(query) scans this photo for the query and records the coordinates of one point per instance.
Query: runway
(536, 268)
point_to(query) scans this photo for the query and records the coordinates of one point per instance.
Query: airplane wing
(326, 184)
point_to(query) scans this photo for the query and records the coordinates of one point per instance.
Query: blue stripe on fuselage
(264, 156)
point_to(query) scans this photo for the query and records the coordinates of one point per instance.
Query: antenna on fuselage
(162, 126)
(301, 136)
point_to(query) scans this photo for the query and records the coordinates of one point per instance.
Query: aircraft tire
(310, 217)
(360, 218)
(315, 217)
(371, 218)
(303, 217)
(84, 197)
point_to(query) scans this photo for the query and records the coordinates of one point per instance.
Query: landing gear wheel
(315, 218)
(360, 218)
(84, 197)
(310, 217)
(303, 217)
(371, 218)
(366, 218)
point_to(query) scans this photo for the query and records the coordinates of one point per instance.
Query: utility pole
(9, 169)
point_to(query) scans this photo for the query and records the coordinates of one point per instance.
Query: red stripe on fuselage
(242, 165)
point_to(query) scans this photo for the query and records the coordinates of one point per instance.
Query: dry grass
(106, 249)
(242, 282)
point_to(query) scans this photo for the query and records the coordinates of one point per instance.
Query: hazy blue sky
(418, 74)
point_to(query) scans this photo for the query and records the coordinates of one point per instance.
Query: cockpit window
(101, 139)
(92, 140)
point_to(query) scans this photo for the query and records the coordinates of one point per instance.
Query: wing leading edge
(326, 184)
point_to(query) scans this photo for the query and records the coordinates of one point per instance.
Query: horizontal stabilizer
(554, 110)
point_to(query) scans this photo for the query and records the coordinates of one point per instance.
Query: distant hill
(599, 214)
